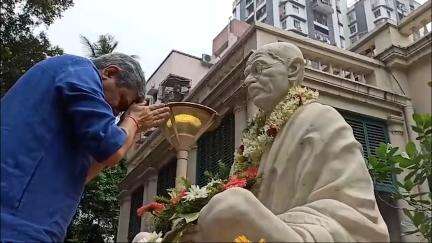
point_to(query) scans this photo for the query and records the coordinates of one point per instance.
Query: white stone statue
(315, 184)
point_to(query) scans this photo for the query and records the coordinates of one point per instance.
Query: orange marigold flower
(155, 207)
(179, 196)
(241, 239)
(235, 182)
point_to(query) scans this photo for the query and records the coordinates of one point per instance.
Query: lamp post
(187, 123)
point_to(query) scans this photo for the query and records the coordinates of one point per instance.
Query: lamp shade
(187, 123)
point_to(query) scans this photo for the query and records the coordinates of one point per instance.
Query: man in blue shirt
(55, 121)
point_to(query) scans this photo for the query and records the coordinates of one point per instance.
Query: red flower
(251, 173)
(155, 207)
(300, 99)
(179, 197)
(272, 131)
(241, 149)
(235, 182)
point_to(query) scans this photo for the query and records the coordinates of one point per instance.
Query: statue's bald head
(280, 50)
(271, 70)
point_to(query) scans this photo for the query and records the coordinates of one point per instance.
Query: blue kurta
(53, 121)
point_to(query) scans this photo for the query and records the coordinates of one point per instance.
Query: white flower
(196, 192)
(144, 237)
(213, 182)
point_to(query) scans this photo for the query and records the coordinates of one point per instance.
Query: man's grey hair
(131, 75)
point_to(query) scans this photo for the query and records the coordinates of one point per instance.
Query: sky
(147, 28)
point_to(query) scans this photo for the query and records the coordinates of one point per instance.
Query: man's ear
(111, 71)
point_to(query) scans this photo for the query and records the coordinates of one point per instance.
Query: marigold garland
(262, 130)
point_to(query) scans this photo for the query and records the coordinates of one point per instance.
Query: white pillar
(150, 191)
(240, 122)
(192, 164)
(123, 222)
(182, 164)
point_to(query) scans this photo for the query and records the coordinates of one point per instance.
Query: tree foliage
(415, 164)
(105, 44)
(97, 215)
(22, 46)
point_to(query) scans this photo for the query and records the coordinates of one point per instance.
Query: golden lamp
(187, 123)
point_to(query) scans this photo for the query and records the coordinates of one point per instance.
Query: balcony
(323, 6)
(322, 37)
(384, 3)
(174, 88)
(260, 3)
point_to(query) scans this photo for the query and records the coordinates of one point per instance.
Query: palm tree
(104, 45)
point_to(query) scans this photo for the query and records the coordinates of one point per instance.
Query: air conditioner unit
(206, 60)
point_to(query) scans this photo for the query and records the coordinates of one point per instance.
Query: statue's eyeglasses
(257, 68)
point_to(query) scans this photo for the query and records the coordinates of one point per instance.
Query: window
(320, 18)
(411, 7)
(283, 24)
(389, 13)
(297, 24)
(296, 9)
(215, 146)
(353, 29)
(134, 219)
(351, 16)
(377, 13)
(166, 177)
(261, 12)
(400, 16)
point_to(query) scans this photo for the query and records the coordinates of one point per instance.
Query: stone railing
(344, 72)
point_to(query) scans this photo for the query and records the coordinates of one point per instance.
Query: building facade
(366, 15)
(376, 94)
(323, 20)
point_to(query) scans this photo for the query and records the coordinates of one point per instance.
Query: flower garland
(262, 130)
(174, 214)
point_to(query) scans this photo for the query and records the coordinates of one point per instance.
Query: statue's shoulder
(318, 113)
(318, 109)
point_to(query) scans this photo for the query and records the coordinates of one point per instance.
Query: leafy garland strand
(262, 130)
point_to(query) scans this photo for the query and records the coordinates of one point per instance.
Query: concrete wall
(180, 64)
(419, 75)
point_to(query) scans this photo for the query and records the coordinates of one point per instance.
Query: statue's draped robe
(315, 183)
(315, 179)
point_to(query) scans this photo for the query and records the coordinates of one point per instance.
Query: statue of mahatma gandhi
(315, 186)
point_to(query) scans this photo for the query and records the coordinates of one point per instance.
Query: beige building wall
(180, 64)
(419, 75)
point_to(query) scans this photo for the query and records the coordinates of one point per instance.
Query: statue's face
(267, 80)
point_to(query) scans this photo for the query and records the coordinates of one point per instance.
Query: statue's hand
(226, 216)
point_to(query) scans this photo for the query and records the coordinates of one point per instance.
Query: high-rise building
(323, 20)
(365, 15)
